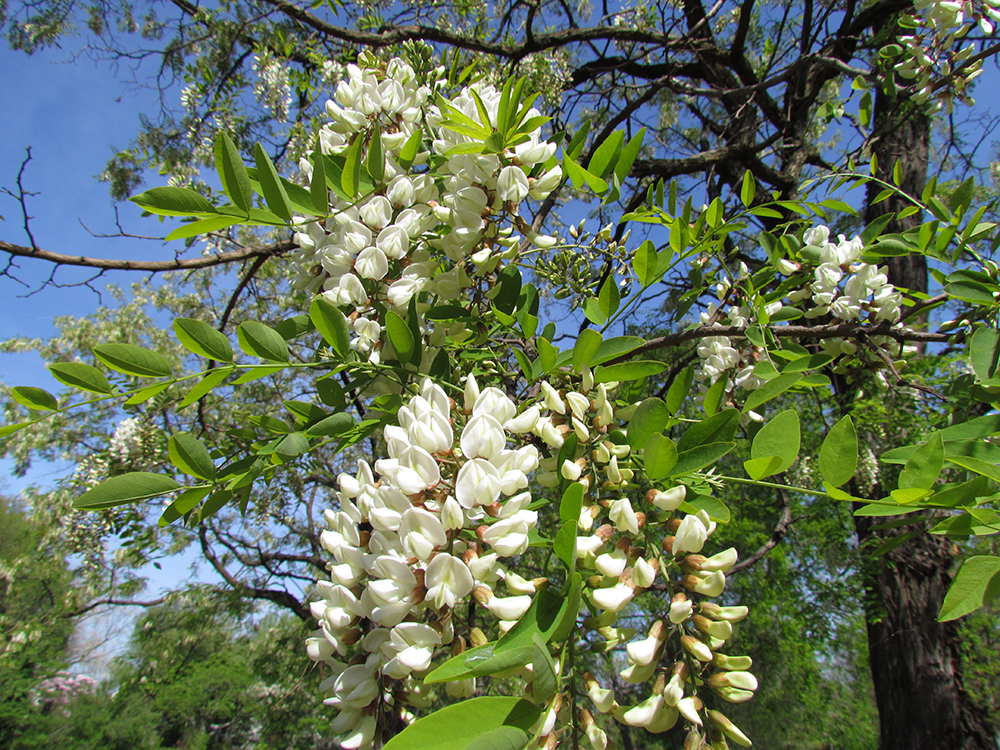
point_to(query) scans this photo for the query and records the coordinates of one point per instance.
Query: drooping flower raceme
(412, 565)
(412, 232)
(841, 286)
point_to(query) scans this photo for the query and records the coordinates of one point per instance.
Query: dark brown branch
(785, 520)
(397, 35)
(149, 266)
(281, 598)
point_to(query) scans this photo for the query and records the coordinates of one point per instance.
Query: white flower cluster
(130, 441)
(624, 566)
(272, 87)
(930, 54)
(411, 233)
(842, 287)
(401, 564)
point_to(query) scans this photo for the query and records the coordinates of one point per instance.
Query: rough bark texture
(915, 661)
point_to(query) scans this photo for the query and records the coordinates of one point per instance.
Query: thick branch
(399, 34)
(282, 598)
(150, 266)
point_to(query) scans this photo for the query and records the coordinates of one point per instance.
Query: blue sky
(72, 114)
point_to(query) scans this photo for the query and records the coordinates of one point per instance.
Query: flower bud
(688, 708)
(721, 630)
(729, 614)
(603, 699)
(741, 680)
(728, 728)
(737, 663)
(696, 648)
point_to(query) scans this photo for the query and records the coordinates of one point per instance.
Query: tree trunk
(915, 660)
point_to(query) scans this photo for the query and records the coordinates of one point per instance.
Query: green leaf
(133, 360)
(587, 345)
(770, 389)
(571, 503)
(649, 418)
(984, 351)
(564, 545)
(628, 371)
(720, 428)
(838, 456)
(189, 455)
(295, 326)
(144, 394)
(232, 172)
(35, 398)
(10, 429)
(509, 281)
(700, 457)
(715, 508)
(256, 373)
(292, 445)
(205, 385)
(714, 395)
(376, 155)
(765, 466)
(350, 179)
(203, 340)
(125, 488)
(609, 297)
(410, 149)
(173, 201)
(400, 336)
(274, 192)
(616, 347)
(202, 226)
(185, 503)
(645, 263)
(604, 157)
(79, 375)
(501, 738)
(628, 156)
(331, 324)
(749, 189)
(332, 426)
(679, 389)
(659, 457)
(594, 312)
(262, 341)
(924, 465)
(977, 465)
(317, 185)
(464, 724)
(779, 437)
(550, 615)
(976, 583)
(865, 113)
(544, 679)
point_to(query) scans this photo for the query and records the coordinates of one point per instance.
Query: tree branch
(149, 266)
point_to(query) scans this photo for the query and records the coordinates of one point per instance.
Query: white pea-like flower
(690, 536)
(512, 184)
(448, 580)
